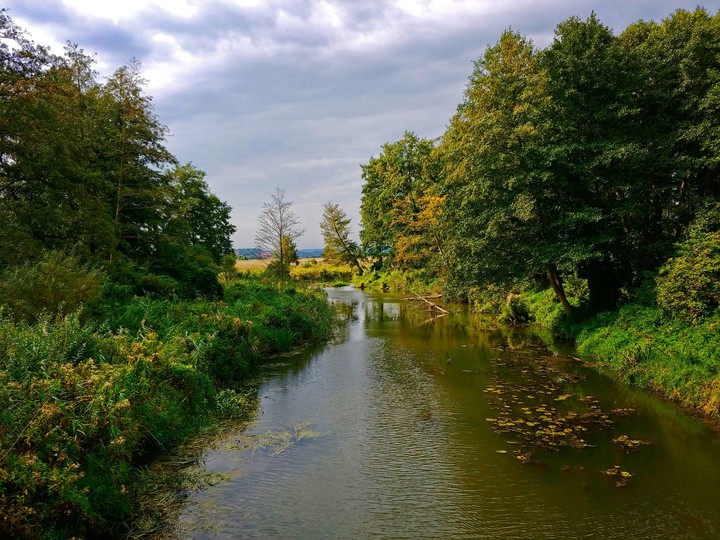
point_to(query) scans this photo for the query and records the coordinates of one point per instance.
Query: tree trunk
(559, 291)
(603, 287)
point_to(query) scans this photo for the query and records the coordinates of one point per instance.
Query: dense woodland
(84, 170)
(593, 162)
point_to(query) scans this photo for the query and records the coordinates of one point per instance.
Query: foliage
(335, 227)
(399, 205)
(647, 349)
(85, 171)
(54, 285)
(197, 216)
(322, 272)
(82, 403)
(587, 159)
(399, 281)
(689, 284)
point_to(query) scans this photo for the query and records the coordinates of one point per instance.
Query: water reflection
(404, 448)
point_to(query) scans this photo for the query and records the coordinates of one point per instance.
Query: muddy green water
(385, 434)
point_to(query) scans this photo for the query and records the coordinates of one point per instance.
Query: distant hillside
(309, 253)
(255, 253)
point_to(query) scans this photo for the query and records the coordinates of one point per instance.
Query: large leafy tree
(136, 161)
(501, 204)
(395, 194)
(197, 217)
(278, 230)
(591, 147)
(83, 168)
(678, 62)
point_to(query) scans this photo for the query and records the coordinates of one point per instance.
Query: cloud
(299, 93)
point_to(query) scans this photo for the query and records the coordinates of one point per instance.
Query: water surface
(396, 431)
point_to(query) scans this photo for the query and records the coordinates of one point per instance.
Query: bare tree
(278, 229)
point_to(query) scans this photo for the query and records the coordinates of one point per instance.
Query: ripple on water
(405, 450)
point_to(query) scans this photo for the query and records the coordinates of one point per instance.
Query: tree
(136, 161)
(278, 230)
(198, 217)
(335, 228)
(393, 197)
(500, 204)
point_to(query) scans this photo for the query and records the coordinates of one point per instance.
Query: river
(405, 427)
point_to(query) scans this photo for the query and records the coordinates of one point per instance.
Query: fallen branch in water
(433, 319)
(432, 305)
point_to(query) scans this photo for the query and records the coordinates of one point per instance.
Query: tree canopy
(589, 158)
(335, 227)
(84, 169)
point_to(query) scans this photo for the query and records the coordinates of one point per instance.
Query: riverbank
(86, 401)
(639, 342)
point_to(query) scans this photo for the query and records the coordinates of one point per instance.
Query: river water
(406, 427)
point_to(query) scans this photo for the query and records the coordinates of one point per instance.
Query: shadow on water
(407, 427)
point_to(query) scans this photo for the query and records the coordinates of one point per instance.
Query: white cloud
(298, 93)
(127, 10)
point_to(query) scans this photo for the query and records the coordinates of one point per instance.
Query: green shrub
(56, 284)
(81, 407)
(689, 284)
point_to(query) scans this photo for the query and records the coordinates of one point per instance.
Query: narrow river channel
(408, 428)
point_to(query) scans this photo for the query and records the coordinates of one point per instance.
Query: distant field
(258, 265)
(252, 265)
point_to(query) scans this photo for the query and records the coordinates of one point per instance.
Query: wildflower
(124, 404)
(117, 442)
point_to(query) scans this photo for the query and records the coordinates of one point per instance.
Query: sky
(298, 94)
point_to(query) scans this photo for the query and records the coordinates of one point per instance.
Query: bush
(81, 408)
(54, 285)
(689, 284)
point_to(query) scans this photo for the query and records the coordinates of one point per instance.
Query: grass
(647, 348)
(254, 266)
(84, 403)
(259, 265)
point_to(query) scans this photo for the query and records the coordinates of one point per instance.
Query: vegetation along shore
(576, 188)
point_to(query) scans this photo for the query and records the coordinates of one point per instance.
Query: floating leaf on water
(630, 445)
(501, 451)
(563, 397)
(522, 456)
(621, 477)
(623, 412)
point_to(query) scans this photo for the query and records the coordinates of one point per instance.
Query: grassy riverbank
(84, 400)
(666, 354)
(640, 342)
(645, 342)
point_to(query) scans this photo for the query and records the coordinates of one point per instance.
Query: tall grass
(83, 402)
(648, 348)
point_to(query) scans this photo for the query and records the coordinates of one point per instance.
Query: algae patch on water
(275, 443)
